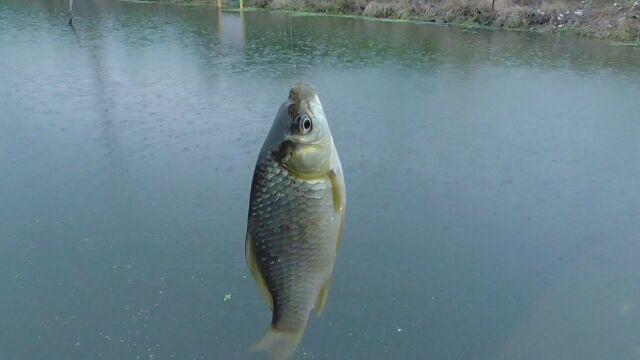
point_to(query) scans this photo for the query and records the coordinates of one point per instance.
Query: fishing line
(293, 58)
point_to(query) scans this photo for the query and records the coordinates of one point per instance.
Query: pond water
(493, 185)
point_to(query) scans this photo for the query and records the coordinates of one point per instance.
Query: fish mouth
(285, 152)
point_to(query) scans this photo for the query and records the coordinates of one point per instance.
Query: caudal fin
(280, 344)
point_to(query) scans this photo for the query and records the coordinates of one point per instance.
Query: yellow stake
(241, 5)
(219, 4)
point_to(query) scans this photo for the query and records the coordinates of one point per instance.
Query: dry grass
(597, 18)
(618, 22)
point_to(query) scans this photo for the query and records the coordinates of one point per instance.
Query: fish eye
(304, 123)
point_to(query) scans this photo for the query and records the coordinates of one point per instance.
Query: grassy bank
(617, 20)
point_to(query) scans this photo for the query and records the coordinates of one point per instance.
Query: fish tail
(280, 344)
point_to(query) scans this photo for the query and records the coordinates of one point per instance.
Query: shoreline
(620, 24)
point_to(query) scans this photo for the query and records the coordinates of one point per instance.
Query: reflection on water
(492, 180)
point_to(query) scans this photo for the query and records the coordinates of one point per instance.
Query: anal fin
(323, 295)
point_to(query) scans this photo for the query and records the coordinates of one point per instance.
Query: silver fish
(296, 218)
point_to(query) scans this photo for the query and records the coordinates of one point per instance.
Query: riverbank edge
(554, 22)
(615, 37)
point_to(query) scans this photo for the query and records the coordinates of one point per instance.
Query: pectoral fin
(338, 191)
(337, 187)
(340, 233)
(323, 295)
(255, 271)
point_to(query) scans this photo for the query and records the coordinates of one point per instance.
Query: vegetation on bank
(617, 20)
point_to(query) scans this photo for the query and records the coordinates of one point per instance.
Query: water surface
(493, 185)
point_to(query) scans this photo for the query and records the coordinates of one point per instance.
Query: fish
(296, 219)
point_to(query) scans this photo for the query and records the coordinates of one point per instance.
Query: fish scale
(289, 241)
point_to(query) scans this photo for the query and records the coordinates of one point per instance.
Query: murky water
(493, 185)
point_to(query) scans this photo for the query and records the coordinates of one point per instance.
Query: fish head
(300, 137)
